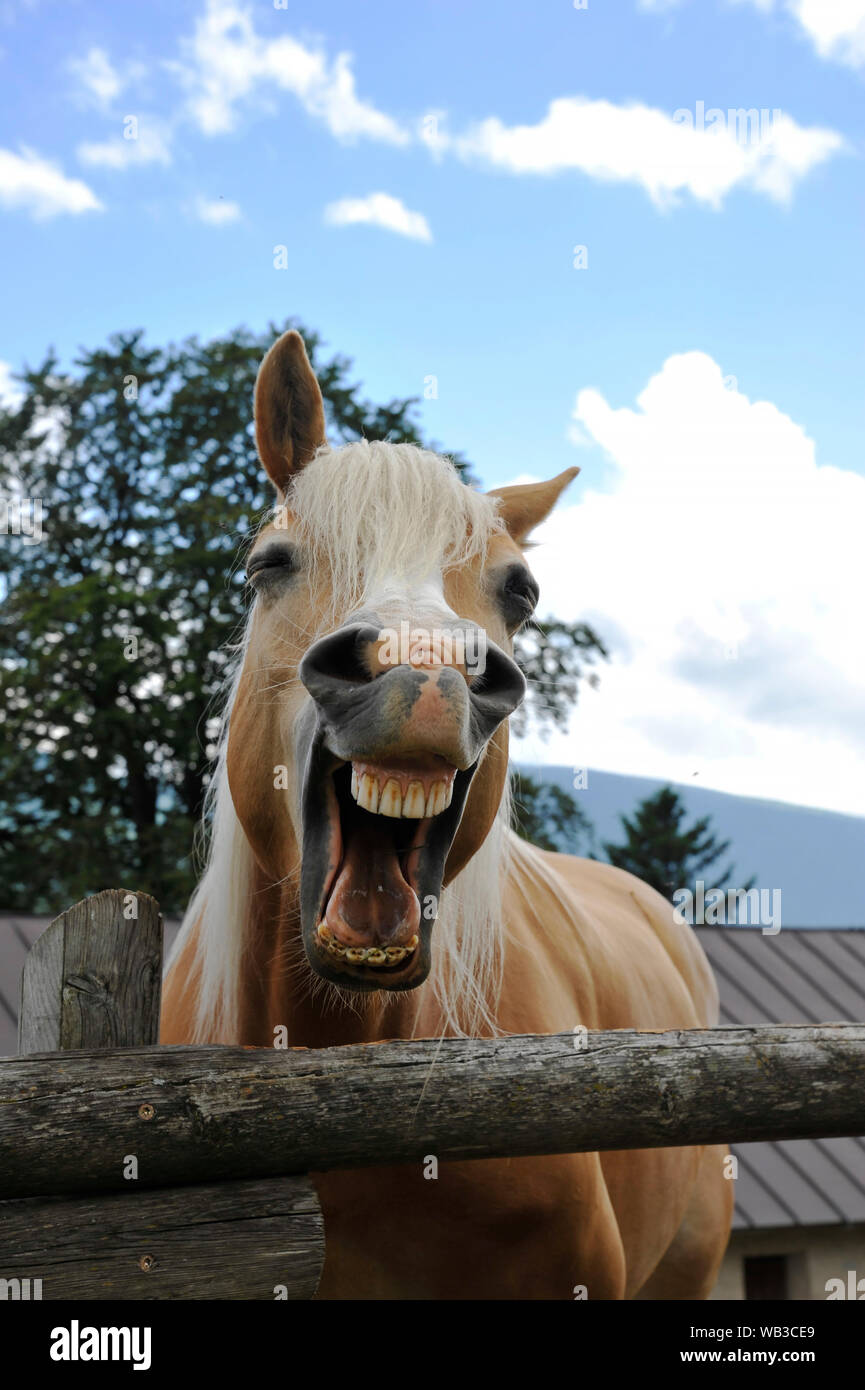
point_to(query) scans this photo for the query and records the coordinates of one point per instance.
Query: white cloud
(48, 425)
(99, 80)
(836, 28)
(664, 153)
(724, 565)
(216, 212)
(11, 394)
(150, 145)
(35, 185)
(379, 210)
(227, 63)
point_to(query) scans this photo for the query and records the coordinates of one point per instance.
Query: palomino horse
(363, 883)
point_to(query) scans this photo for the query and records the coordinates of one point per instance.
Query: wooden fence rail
(131, 1170)
(93, 980)
(200, 1114)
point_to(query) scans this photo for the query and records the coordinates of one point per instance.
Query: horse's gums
(370, 882)
(414, 733)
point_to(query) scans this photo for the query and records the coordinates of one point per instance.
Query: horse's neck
(279, 991)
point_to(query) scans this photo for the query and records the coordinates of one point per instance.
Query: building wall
(815, 1253)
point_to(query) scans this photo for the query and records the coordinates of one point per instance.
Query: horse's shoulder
(619, 905)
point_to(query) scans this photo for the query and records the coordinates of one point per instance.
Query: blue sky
(502, 136)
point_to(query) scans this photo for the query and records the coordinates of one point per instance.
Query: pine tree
(661, 851)
(549, 817)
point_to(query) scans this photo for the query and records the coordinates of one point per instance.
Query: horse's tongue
(371, 903)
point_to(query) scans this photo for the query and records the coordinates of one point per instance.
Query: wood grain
(93, 981)
(94, 977)
(232, 1112)
(237, 1240)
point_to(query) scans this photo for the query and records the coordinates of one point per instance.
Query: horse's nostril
(339, 668)
(337, 660)
(500, 687)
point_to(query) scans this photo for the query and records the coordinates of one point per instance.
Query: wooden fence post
(92, 982)
(94, 977)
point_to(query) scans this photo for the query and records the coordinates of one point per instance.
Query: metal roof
(801, 975)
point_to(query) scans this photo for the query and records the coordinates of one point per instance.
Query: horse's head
(368, 737)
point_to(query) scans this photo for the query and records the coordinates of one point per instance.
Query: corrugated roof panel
(758, 1203)
(834, 1167)
(798, 976)
(17, 935)
(808, 984)
(841, 978)
(787, 981)
(849, 946)
(781, 1173)
(848, 1157)
(837, 1167)
(759, 982)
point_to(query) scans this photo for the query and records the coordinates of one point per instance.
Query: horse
(363, 882)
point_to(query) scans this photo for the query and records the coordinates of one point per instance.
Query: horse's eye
(519, 595)
(274, 560)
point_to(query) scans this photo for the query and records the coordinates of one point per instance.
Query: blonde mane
(371, 512)
(368, 511)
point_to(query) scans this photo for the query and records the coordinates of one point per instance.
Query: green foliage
(549, 817)
(554, 656)
(116, 629)
(662, 852)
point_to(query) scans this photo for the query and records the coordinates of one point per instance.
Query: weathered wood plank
(94, 977)
(203, 1113)
(237, 1240)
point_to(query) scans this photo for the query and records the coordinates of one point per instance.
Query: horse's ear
(525, 505)
(289, 411)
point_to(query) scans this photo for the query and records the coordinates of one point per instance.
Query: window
(766, 1277)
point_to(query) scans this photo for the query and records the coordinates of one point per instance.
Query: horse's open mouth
(375, 840)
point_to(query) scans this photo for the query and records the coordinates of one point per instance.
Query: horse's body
(570, 942)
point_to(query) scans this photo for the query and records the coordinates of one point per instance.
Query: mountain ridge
(814, 856)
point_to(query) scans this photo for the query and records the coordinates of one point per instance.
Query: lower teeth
(375, 956)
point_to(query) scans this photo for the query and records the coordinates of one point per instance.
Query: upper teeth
(385, 795)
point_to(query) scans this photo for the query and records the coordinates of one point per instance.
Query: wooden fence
(134, 1171)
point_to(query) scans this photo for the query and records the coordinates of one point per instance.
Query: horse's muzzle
(389, 752)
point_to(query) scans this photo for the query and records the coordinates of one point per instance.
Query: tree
(662, 852)
(116, 629)
(554, 656)
(548, 816)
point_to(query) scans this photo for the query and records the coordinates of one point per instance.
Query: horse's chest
(518, 1228)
